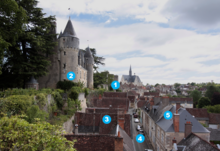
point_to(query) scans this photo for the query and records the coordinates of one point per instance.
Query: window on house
(64, 66)
(158, 147)
(64, 52)
(162, 136)
(158, 133)
(63, 39)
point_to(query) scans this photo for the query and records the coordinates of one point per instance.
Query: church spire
(130, 72)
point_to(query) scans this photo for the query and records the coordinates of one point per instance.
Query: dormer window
(64, 52)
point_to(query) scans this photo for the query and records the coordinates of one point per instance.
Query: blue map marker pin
(71, 75)
(115, 85)
(168, 115)
(106, 119)
(140, 138)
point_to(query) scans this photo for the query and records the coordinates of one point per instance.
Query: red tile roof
(214, 118)
(198, 112)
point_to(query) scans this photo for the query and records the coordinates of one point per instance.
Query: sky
(164, 41)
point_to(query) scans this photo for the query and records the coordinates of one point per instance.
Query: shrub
(18, 134)
(34, 112)
(58, 99)
(74, 92)
(41, 99)
(203, 101)
(86, 91)
(16, 104)
(65, 85)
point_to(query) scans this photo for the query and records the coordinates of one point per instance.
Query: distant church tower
(130, 72)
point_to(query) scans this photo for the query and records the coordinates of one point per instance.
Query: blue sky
(165, 41)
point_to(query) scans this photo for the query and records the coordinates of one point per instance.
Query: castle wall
(50, 80)
(82, 75)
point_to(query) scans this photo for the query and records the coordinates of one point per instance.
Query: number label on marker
(106, 119)
(115, 84)
(71, 75)
(140, 139)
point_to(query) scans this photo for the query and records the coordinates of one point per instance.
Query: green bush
(213, 109)
(203, 101)
(46, 90)
(59, 90)
(74, 92)
(16, 104)
(58, 99)
(16, 132)
(86, 91)
(65, 85)
(34, 112)
(41, 99)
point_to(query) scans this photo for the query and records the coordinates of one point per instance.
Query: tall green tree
(215, 98)
(12, 18)
(204, 101)
(176, 85)
(98, 79)
(97, 60)
(211, 89)
(28, 56)
(196, 95)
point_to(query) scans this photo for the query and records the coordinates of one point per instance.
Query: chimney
(151, 104)
(177, 106)
(173, 141)
(176, 118)
(100, 96)
(188, 128)
(145, 98)
(118, 133)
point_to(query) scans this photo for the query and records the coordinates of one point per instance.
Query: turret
(89, 66)
(68, 45)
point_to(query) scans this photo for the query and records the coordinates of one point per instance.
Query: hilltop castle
(68, 57)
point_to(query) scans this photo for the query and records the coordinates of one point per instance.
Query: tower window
(64, 52)
(64, 66)
(63, 39)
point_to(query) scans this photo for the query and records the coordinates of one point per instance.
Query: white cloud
(182, 51)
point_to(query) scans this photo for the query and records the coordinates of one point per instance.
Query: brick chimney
(188, 128)
(151, 104)
(100, 96)
(118, 133)
(176, 118)
(177, 106)
(173, 141)
(145, 98)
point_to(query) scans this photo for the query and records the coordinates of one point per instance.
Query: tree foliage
(16, 133)
(213, 109)
(12, 18)
(211, 89)
(204, 101)
(196, 95)
(28, 56)
(157, 84)
(97, 60)
(176, 85)
(215, 98)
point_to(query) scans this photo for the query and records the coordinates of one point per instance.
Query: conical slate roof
(32, 80)
(60, 34)
(88, 53)
(69, 30)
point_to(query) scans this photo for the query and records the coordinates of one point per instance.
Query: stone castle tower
(68, 57)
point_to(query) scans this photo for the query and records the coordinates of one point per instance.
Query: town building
(162, 131)
(131, 79)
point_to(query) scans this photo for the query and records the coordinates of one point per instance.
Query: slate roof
(32, 80)
(129, 78)
(88, 53)
(167, 125)
(127, 141)
(195, 143)
(215, 134)
(214, 118)
(69, 30)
